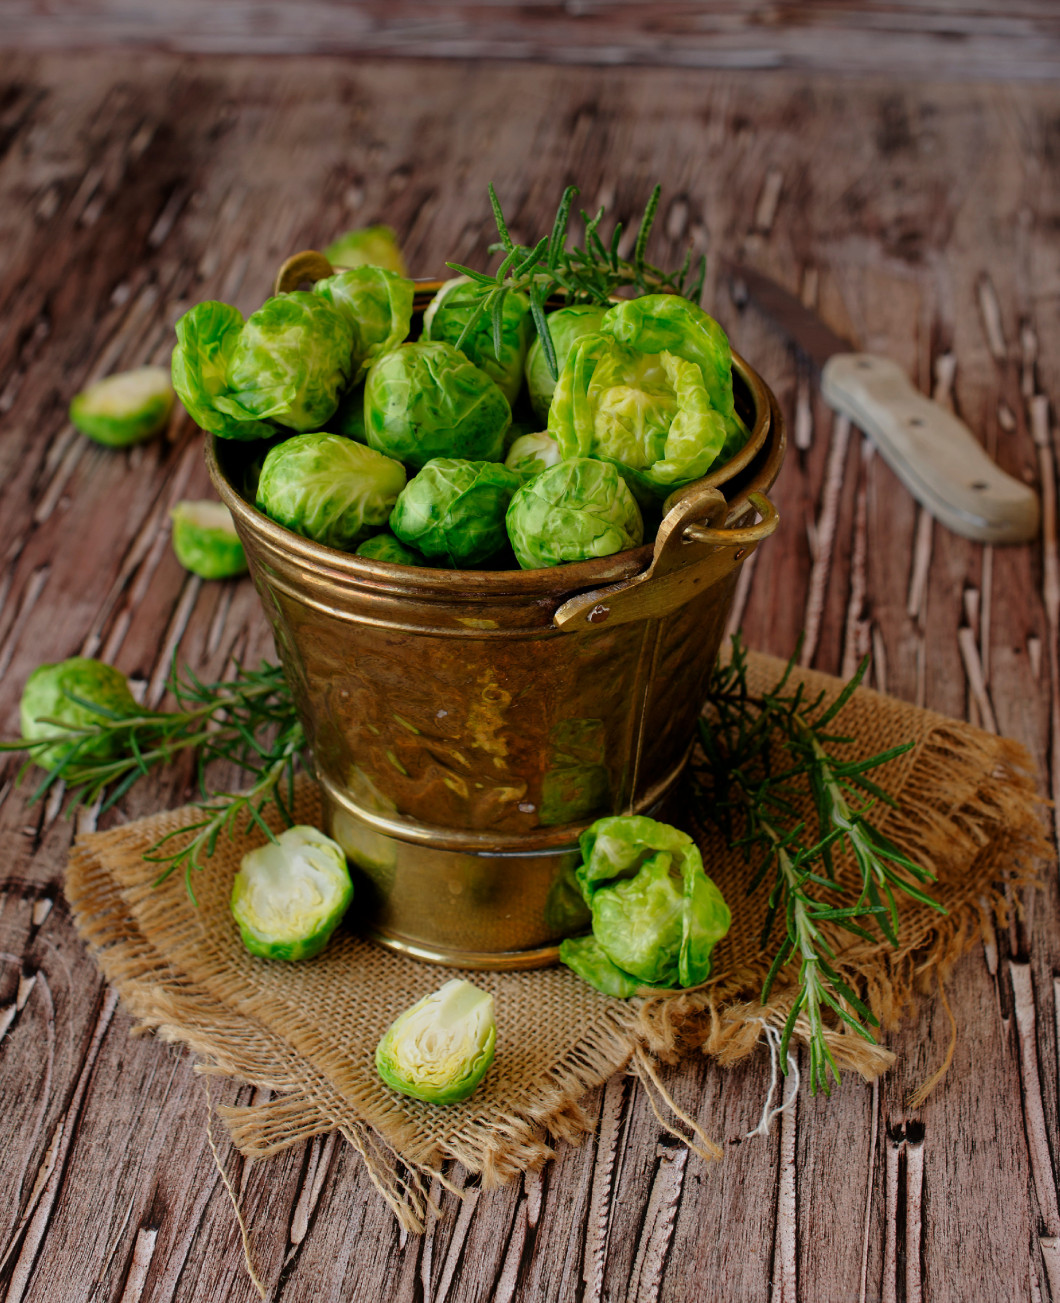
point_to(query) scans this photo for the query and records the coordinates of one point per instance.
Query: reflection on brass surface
(466, 726)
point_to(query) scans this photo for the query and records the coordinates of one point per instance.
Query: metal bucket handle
(693, 550)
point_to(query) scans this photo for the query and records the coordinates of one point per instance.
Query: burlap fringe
(940, 824)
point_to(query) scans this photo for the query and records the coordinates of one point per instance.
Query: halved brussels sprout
(652, 392)
(368, 246)
(449, 312)
(427, 400)
(126, 408)
(377, 304)
(656, 914)
(328, 488)
(565, 326)
(290, 894)
(440, 1049)
(205, 540)
(455, 509)
(531, 454)
(76, 693)
(385, 547)
(575, 510)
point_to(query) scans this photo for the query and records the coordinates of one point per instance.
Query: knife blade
(932, 451)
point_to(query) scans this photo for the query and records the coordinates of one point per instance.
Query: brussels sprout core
(56, 692)
(205, 540)
(440, 1049)
(126, 408)
(289, 895)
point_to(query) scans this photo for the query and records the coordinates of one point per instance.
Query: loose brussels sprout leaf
(328, 488)
(369, 246)
(565, 326)
(652, 413)
(584, 956)
(453, 307)
(290, 362)
(455, 509)
(440, 1049)
(427, 400)
(531, 454)
(577, 509)
(656, 914)
(385, 547)
(205, 540)
(290, 894)
(57, 693)
(206, 340)
(126, 408)
(377, 304)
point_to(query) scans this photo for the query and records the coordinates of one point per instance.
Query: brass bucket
(466, 725)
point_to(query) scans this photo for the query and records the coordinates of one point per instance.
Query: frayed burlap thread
(967, 808)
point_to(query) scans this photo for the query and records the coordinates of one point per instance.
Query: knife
(931, 451)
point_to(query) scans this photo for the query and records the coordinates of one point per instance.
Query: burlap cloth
(967, 808)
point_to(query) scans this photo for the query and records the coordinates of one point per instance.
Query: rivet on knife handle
(933, 453)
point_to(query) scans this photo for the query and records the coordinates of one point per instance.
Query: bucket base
(483, 961)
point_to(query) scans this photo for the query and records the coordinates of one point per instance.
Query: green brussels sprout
(565, 326)
(76, 693)
(440, 1049)
(455, 509)
(287, 363)
(531, 454)
(289, 895)
(369, 246)
(328, 488)
(427, 400)
(385, 547)
(126, 408)
(652, 392)
(575, 510)
(206, 340)
(377, 304)
(656, 914)
(448, 314)
(205, 540)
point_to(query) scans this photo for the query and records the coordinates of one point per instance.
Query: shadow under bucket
(466, 726)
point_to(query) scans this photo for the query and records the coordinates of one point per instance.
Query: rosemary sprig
(590, 272)
(248, 721)
(761, 755)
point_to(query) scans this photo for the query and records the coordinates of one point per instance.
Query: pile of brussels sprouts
(430, 451)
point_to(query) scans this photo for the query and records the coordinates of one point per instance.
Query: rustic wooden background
(925, 220)
(926, 38)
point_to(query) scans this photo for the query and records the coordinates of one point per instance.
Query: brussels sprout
(76, 693)
(455, 509)
(656, 914)
(385, 547)
(427, 400)
(440, 1048)
(652, 392)
(369, 246)
(290, 894)
(577, 509)
(205, 540)
(206, 340)
(328, 488)
(531, 454)
(453, 307)
(287, 363)
(377, 304)
(564, 326)
(126, 408)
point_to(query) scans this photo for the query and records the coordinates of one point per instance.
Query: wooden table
(925, 222)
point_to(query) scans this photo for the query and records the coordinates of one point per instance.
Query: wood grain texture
(926, 38)
(925, 222)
